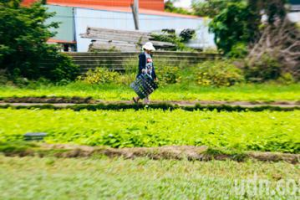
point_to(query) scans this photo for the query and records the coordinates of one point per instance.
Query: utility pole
(135, 12)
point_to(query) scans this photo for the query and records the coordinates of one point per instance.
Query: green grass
(52, 178)
(264, 131)
(263, 92)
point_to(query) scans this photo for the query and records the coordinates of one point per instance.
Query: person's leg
(146, 100)
(136, 99)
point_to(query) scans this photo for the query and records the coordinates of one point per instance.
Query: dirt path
(70, 101)
(243, 104)
(220, 103)
(64, 102)
(201, 153)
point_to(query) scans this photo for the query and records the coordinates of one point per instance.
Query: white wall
(124, 21)
(294, 17)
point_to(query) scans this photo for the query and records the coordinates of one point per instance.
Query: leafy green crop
(262, 92)
(263, 131)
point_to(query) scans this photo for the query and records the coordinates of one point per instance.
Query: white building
(122, 19)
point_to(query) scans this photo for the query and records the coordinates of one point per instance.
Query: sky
(183, 3)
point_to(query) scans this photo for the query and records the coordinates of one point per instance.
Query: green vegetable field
(202, 104)
(263, 131)
(181, 92)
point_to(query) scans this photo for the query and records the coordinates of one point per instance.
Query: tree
(23, 47)
(279, 39)
(231, 27)
(210, 8)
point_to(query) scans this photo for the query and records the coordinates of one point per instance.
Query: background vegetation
(24, 52)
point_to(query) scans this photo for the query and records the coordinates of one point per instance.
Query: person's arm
(142, 63)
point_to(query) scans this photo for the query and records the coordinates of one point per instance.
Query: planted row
(172, 92)
(264, 131)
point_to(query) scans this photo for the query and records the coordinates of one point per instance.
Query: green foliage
(125, 79)
(16, 147)
(210, 8)
(274, 9)
(230, 27)
(238, 50)
(187, 34)
(186, 90)
(60, 68)
(23, 48)
(178, 41)
(130, 66)
(218, 73)
(267, 68)
(264, 131)
(3, 77)
(168, 74)
(165, 37)
(100, 76)
(286, 78)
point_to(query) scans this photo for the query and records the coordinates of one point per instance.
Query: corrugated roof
(126, 9)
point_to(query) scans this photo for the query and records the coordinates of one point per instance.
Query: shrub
(60, 68)
(126, 79)
(286, 78)
(131, 66)
(168, 36)
(187, 34)
(3, 77)
(239, 50)
(218, 73)
(166, 73)
(265, 69)
(100, 76)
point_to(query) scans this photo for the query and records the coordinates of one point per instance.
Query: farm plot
(180, 92)
(263, 131)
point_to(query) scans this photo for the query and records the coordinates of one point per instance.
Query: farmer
(146, 66)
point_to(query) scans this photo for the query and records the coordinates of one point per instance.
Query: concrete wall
(118, 61)
(65, 16)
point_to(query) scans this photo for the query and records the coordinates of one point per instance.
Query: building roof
(125, 9)
(145, 4)
(51, 40)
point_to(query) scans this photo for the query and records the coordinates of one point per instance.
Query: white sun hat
(149, 46)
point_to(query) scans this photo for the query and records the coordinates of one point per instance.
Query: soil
(193, 153)
(64, 102)
(48, 100)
